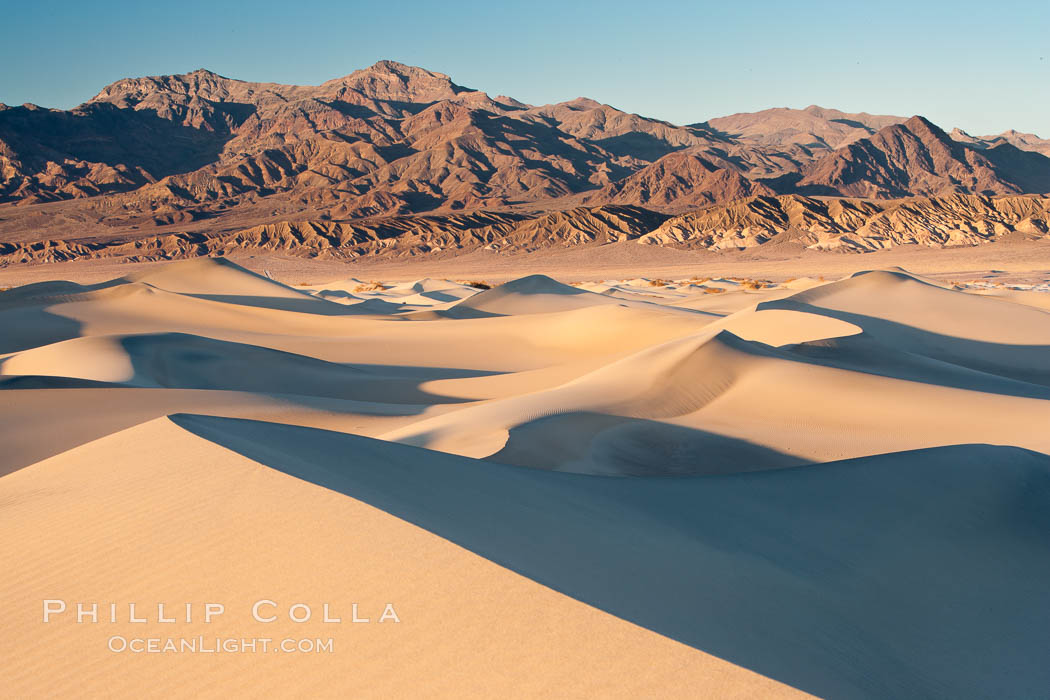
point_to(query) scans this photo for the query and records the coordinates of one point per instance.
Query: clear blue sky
(982, 66)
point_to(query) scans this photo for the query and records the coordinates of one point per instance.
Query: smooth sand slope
(156, 514)
(653, 484)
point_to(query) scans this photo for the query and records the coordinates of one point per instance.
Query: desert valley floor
(704, 479)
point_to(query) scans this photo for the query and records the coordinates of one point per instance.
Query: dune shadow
(32, 326)
(357, 305)
(307, 304)
(598, 443)
(422, 373)
(335, 294)
(40, 381)
(892, 349)
(439, 296)
(323, 304)
(186, 361)
(453, 313)
(915, 574)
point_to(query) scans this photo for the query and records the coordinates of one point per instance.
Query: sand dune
(787, 402)
(182, 361)
(746, 564)
(635, 487)
(215, 276)
(541, 294)
(419, 295)
(159, 513)
(906, 388)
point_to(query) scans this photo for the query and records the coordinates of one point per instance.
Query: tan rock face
(843, 224)
(855, 224)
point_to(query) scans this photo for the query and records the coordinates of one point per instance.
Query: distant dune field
(640, 487)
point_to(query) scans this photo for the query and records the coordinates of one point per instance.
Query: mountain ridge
(202, 152)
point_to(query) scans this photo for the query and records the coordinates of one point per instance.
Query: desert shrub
(713, 290)
(753, 285)
(370, 287)
(478, 284)
(657, 283)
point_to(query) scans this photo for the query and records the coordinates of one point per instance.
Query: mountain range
(202, 154)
